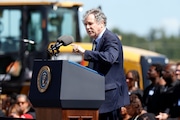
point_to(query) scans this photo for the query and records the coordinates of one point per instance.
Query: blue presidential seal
(43, 79)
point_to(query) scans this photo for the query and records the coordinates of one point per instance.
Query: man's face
(167, 74)
(93, 28)
(22, 103)
(152, 73)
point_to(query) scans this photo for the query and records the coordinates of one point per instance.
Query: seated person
(25, 105)
(135, 110)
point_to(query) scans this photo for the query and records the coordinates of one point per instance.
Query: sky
(137, 16)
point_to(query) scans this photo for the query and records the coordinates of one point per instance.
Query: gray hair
(99, 15)
(23, 96)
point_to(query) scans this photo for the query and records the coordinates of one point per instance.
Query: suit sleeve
(108, 51)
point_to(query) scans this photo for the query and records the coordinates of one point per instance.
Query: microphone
(61, 41)
(66, 40)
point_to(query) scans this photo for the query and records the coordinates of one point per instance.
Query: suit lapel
(101, 41)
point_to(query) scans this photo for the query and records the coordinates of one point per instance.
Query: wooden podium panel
(67, 114)
(80, 114)
(48, 113)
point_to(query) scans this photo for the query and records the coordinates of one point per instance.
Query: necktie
(94, 45)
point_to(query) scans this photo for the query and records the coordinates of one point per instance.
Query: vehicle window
(61, 22)
(35, 29)
(9, 30)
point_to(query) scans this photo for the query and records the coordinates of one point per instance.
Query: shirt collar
(100, 36)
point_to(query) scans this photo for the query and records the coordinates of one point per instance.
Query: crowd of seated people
(17, 106)
(160, 100)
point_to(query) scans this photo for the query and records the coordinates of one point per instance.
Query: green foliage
(156, 41)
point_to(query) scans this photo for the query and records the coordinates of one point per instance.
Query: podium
(65, 90)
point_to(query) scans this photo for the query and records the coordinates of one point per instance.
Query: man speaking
(106, 58)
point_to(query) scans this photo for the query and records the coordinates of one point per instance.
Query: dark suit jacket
(108, 60)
